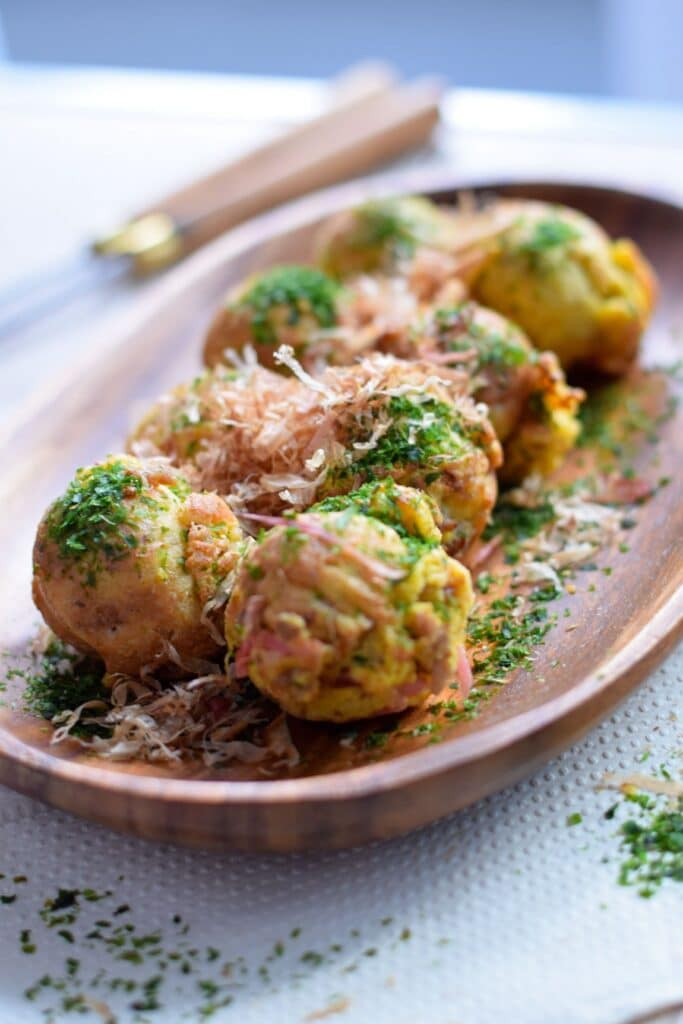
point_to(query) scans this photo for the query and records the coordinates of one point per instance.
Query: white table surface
(512, 915)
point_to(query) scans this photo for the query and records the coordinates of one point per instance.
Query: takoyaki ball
(406, 235)
(298, 306)
(531, 407)
(126, 561)
(336, 616)
(574, 291)
(417, 424)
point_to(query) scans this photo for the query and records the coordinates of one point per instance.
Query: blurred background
(622, 48)
(109, 105)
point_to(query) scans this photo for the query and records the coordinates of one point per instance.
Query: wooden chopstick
(364, 79)
(375, 122)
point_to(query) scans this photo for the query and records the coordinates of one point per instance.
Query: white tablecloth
(501, 913)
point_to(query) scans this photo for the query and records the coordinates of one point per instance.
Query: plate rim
(649, 645)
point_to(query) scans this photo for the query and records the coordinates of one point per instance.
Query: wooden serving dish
(340, 795)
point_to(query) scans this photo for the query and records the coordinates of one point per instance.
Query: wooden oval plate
(341, 794)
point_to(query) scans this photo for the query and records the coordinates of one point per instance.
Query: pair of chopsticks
(372, 119)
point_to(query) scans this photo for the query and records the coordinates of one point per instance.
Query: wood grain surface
(339, 796)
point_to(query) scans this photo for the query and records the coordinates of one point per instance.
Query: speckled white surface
(513, 915)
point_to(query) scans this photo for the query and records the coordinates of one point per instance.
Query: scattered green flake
(74, 1004)
(615, 422)
(517, 523)
(504, 643)
(421, 431)
(548, 234)
(91, 522)
(62, 680)
(376, 739)
(312, 958)
(387, 225)
(425, 729)
(208, 988)
(458, 330)
(485, 581)
(300, 291)
(574, 819)
(150, 999)
(653, 846)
